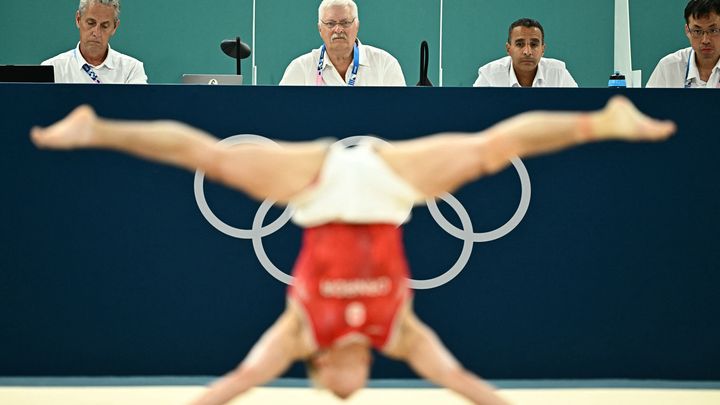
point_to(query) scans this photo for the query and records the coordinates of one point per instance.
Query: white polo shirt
(671, 72)
(500, 73)
(377, 68)
(116, 68)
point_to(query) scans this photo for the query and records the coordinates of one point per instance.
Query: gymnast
(351, 291)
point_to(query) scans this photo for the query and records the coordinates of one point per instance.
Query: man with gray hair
(92, 60)
(342, 59)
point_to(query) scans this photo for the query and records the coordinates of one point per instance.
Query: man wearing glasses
(525, 65)
(698, 65)
(342, 60)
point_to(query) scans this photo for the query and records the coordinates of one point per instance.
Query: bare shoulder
(299, 326)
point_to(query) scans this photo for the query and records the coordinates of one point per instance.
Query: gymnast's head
(341, 369)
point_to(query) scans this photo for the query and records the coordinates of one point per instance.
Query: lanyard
(89, 70)
(687, 72)
(687, 69)
(319, 81)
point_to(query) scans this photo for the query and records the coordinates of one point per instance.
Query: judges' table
(108, 267)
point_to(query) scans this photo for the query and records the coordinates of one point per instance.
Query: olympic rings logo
(466, 234)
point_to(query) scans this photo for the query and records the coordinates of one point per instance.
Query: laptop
(212, 79)
(27, 74)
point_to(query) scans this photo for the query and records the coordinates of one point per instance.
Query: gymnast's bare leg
(451, 160)
(262, 171)
(282, 171)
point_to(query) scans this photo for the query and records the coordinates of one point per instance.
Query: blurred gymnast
(351, 291)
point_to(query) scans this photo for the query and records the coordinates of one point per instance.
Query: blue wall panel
(107, 266)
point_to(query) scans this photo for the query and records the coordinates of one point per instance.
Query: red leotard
(351, 279)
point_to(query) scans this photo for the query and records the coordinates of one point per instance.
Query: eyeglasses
(698, 33)
(345, 24)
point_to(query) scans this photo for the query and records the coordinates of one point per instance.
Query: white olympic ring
(467, 235)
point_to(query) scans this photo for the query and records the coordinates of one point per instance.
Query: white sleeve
(481, 81)
(393, 74)
(657, 78)
(294, 74)
(137, 74)
(57, 71)
(567, 79)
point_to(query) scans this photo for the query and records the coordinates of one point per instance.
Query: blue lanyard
(687, 72)
(356, 66)
(687, 69)
(89, 70)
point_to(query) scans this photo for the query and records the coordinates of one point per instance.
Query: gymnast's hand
(621, 120)
(74, 131)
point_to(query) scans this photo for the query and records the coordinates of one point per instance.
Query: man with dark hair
(699, 64)
(92, 60)
(525, 65)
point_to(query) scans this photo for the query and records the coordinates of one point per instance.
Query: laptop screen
(27, 74)
(212, 79)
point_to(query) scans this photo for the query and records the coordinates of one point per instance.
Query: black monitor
(27, 74)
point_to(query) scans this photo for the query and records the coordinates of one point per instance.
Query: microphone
(424, 59)
(237, 49)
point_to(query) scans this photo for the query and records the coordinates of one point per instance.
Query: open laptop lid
(212, 79)
(27, 74)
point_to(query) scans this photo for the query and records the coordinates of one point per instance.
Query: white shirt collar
(109, 61)
(539, 77)
(326, 61)
(694, 72)
(513, 78)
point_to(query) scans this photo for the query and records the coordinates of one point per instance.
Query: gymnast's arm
(276, 350)
(260, 170)
(420, 347)
(451, 160)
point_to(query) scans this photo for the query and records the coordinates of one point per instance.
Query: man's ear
(687, 33)
(117, 24)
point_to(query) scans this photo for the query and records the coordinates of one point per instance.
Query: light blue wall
(183, 36)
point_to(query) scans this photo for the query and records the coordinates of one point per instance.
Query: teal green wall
(183, 36)
(657, 30)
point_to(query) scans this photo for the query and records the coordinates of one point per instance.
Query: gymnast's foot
(71, 132)
(620, 119)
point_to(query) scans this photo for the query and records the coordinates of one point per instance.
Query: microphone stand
(237, 49)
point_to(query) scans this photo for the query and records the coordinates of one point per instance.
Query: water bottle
(617, 81)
